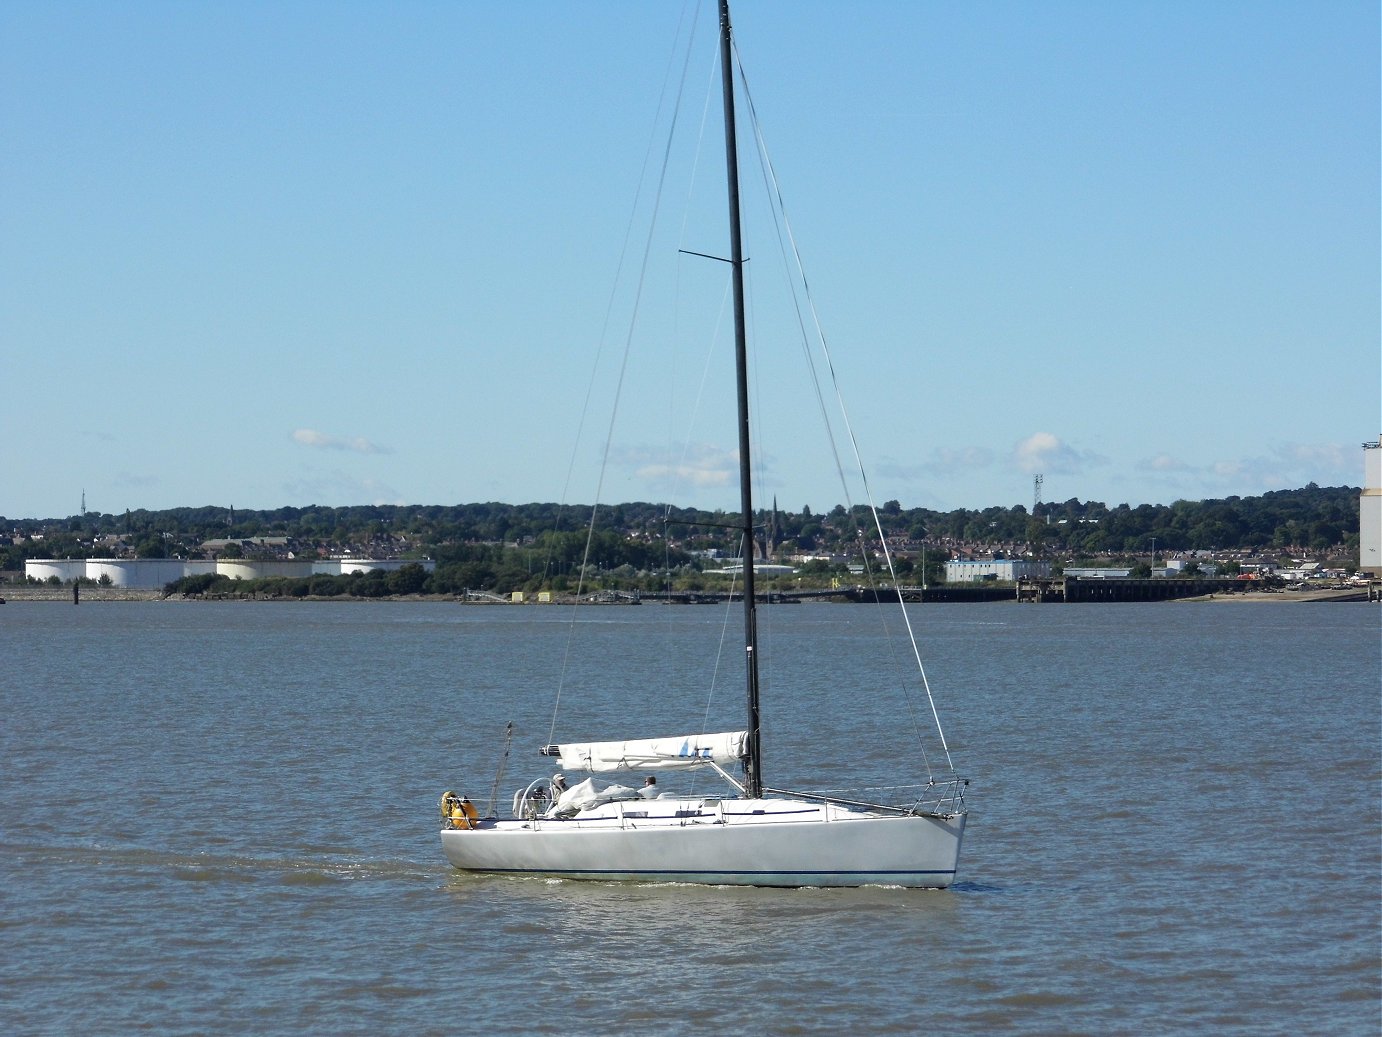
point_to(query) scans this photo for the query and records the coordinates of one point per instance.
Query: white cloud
(701, 464)
(1164, 463)
(322, 441)
(1290, 465)
(942, 461)
(683, 475)
(1322, 457)
(1285, 467)
(1044, 452)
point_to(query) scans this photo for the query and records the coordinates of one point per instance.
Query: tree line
(494, 543)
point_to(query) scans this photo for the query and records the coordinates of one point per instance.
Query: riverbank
(1288, 596)
(17, 592)
(113, 594)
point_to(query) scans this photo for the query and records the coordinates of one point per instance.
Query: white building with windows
(1007, 570)
(1370, 511)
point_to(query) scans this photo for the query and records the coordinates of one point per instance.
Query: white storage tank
(346, 566)
(249, 569)
(65, 569)
(137, 572)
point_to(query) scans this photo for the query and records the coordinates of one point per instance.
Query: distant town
(513, 551)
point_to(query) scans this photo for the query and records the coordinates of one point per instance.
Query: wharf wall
(1159, 589)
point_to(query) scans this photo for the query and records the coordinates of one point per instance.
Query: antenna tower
(1036, 494)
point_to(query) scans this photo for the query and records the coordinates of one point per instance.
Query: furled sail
(653, 754)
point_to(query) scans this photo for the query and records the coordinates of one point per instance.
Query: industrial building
(1008, 570)
(1370, 511)
(156, 572)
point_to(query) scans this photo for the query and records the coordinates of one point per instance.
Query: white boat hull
(741, 842)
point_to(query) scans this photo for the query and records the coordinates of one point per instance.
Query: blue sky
(269, 254)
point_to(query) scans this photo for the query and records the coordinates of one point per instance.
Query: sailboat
(752, 835)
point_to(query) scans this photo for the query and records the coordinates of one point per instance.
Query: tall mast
(753, 764)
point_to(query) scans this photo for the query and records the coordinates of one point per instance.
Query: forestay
(684, 752)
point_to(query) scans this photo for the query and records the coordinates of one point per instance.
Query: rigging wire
(707, 366)
(786, 245)
(628, 338)
(780, 210)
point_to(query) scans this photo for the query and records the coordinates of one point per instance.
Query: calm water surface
(220, 818)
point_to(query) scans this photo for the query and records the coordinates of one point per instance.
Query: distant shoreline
(97, 595)
(1289, 596)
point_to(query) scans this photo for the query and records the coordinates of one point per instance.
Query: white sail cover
(654, 754)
